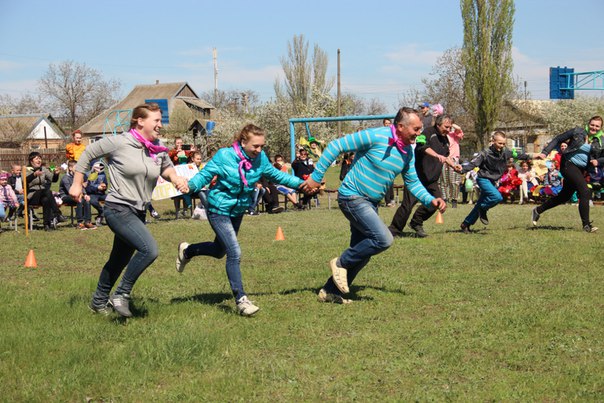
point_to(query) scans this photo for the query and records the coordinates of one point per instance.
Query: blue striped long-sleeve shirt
(376, 165)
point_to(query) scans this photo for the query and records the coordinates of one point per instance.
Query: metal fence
(50, 156)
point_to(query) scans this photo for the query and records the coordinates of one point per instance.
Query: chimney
(156, 82)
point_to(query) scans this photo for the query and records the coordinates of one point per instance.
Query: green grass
(507, 313)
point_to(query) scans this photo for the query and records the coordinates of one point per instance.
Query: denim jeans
(82, 209)
(225, 243)
(368, 237)
(256, 197)
(95, 201)
(130, 236)
(489, 197)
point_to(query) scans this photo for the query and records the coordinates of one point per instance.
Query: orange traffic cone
(439, 218)
(279, 236)
(30, 260)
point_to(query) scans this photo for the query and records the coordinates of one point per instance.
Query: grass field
(508, 313)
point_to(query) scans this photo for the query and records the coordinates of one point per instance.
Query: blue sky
(386, 48)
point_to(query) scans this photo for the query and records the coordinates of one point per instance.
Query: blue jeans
(368, 237)
(225, 243)
(489, 197)
(256, 197)
(130, 236)
(82, 209)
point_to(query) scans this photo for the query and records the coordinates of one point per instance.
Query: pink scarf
(395, 140)
(153, 149)
(244, 165)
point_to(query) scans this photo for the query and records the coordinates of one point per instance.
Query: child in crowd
(526, 181)
(288, 192)
(509, 182)
(96, 189)
(195, 157)
(8, 198)
(83, 214)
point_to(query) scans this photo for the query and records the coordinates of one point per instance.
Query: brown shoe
(339, 275)
(323, 296)
(89, 225)
(81, 226)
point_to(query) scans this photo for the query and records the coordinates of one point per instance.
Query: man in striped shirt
(380, 155)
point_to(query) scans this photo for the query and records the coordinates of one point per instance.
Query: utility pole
(215, 57)
(339, 101)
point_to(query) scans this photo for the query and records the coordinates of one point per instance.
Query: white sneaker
(181, 261)
(246, 307)
(339, 276)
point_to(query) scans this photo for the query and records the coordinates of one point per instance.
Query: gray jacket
(132, 172)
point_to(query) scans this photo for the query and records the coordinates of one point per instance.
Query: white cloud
(18, 88)
(412, 55)
(6, 65)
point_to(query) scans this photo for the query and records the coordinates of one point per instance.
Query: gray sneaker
(104, 310)
(181, 261)
(246, 307)
(589, 228)
(121, 304)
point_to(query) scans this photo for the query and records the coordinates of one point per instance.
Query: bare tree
(304, 79)
(77, 91)
(239, 100)
(487, 57)
(26, 104)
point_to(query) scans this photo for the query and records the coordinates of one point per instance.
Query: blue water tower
(561, 82)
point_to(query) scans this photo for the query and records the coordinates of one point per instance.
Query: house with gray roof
(31, 131)
(184, 108)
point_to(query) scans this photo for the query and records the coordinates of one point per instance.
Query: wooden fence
(50, 156)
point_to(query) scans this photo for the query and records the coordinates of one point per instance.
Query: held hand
(540, 156)
(458, 168)
(181, 184)
(439, 204)
(311, 183)
(594, 163)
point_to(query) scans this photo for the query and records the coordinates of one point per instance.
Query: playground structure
(563, 81)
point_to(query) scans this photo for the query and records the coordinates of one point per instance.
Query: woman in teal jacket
(237, 169)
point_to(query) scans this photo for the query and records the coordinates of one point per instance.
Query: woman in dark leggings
(573, 165)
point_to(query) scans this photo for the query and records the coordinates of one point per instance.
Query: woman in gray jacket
(134, 160)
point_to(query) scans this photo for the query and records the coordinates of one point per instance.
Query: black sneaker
(121, 304)
(277, 210)
(589, 228)
(60, 218)
(395, 232)
(155, 214)
(465, 228)
(253, 212)
(535, 217)
(419, 231)
(483, 217)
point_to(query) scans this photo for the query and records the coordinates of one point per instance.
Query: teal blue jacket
(229, 196)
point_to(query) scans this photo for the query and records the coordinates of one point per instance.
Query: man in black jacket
(429, 160)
